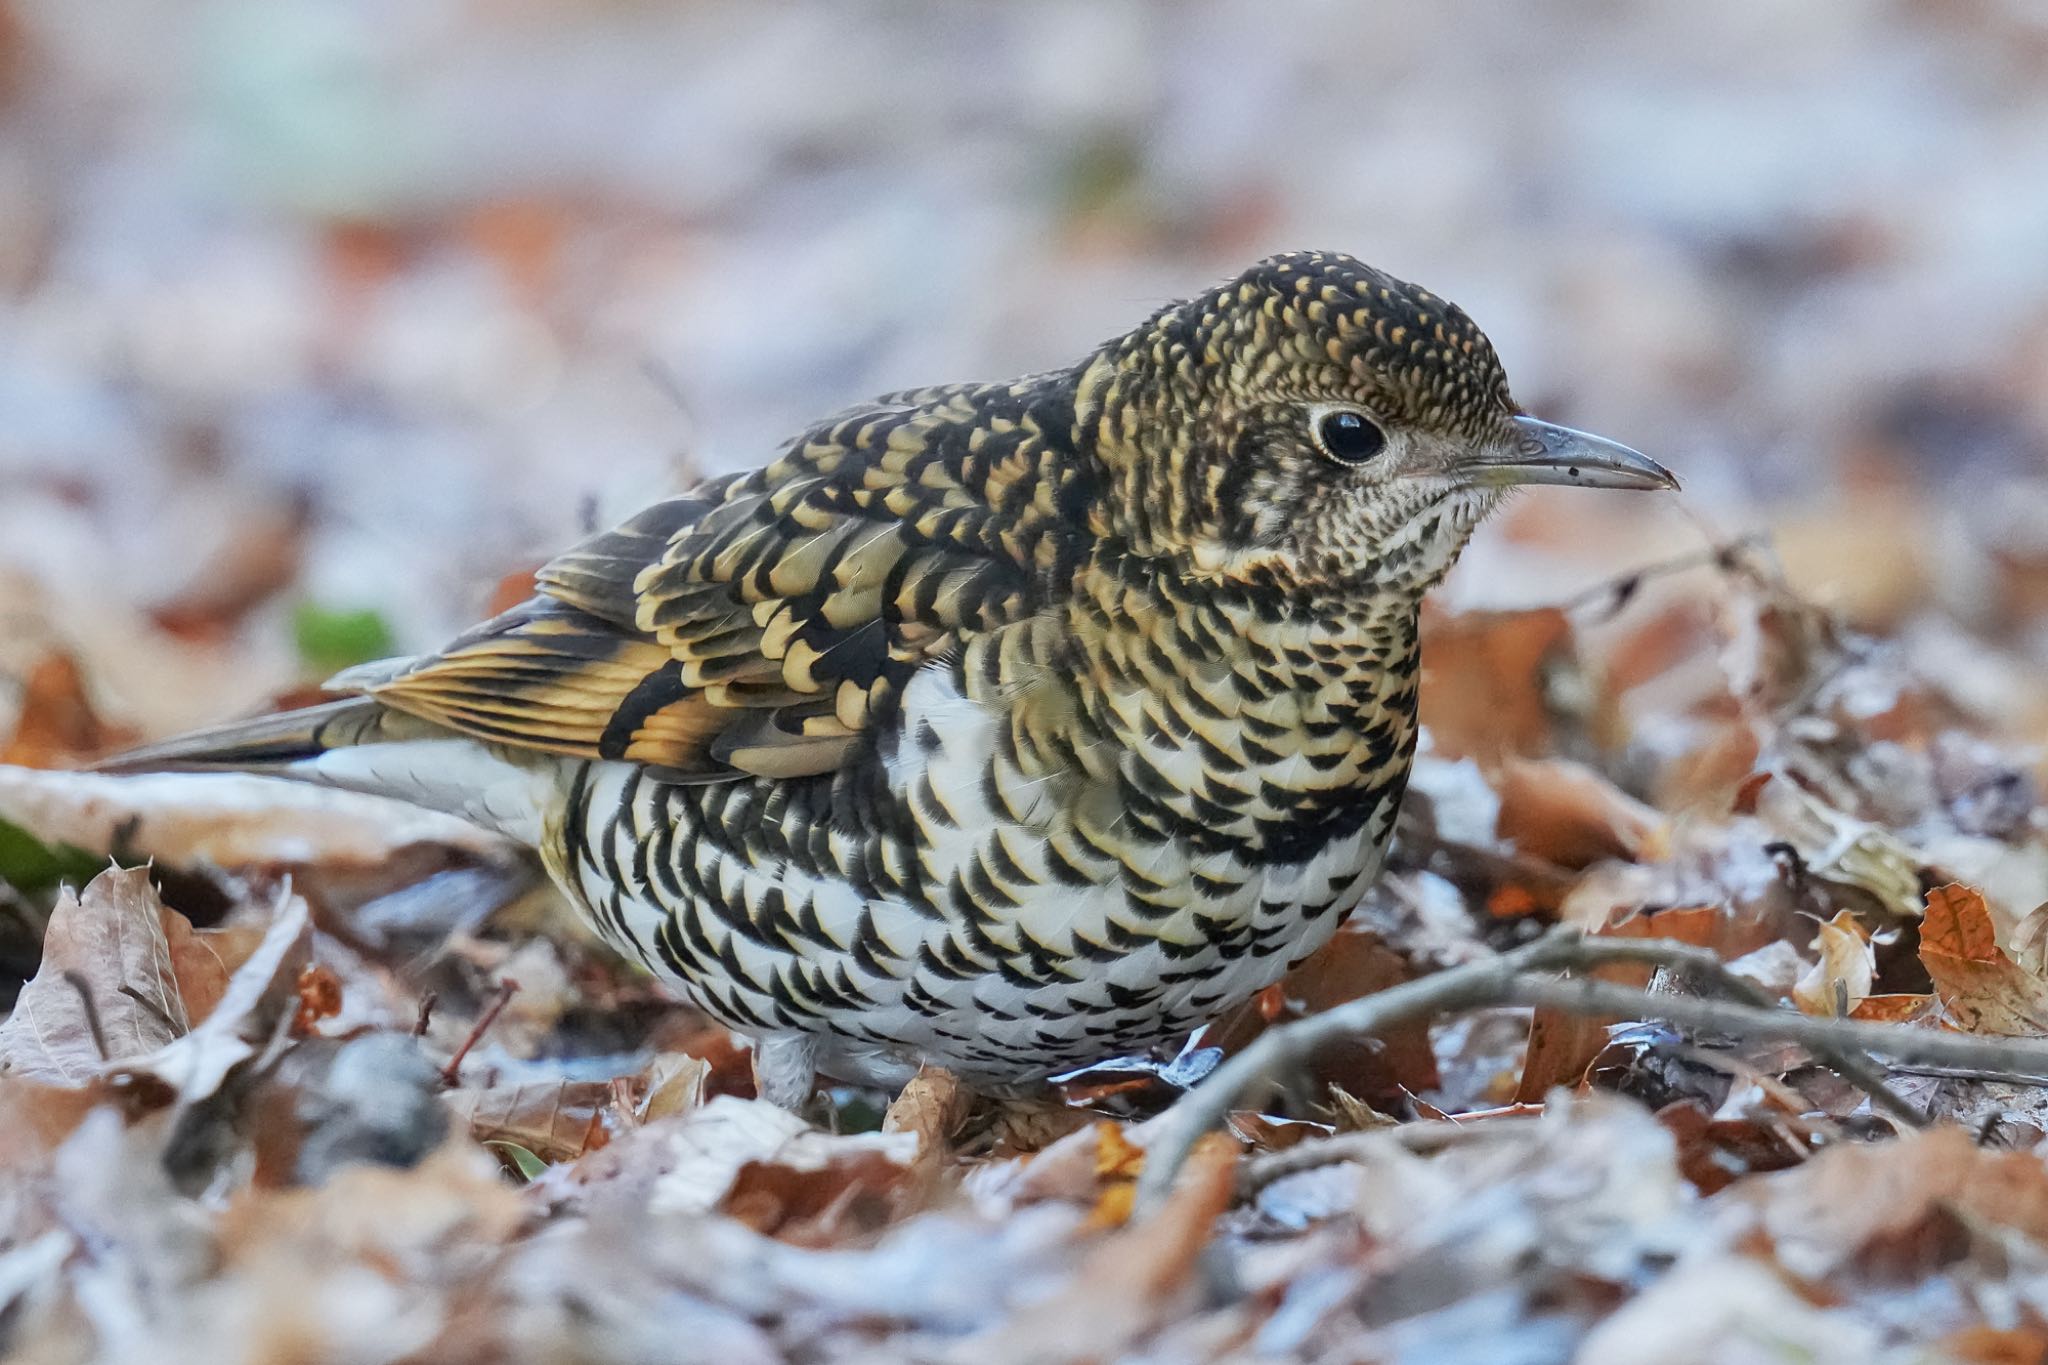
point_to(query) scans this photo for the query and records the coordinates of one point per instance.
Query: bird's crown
(1317, 423)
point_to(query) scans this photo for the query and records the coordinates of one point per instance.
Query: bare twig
(77, 982)
(426, 1014)
(1282, 1050)
(1518, 978)
(1615, 593)
(507, 988)
(1852, 1064)
(1970, 1073)
(1430, 1135)
(1903, 1042)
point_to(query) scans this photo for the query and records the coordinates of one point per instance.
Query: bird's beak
(1544, 453)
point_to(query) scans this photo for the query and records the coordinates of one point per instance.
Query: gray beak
(1552, 454)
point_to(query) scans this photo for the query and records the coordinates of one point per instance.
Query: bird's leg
(785, 1069)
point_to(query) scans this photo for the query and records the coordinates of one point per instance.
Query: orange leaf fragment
(1958, 925)
(1116, 1156)
(1984, 990)
(319, 998)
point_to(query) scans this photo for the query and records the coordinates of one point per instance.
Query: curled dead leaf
(1840, 979)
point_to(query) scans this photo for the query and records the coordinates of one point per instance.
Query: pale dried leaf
(260, 996)
(108, 943)
(555, 1120)
(1841, 978)
(675, 1085)
(226, 819)
(930, 1106)
(712, 1145)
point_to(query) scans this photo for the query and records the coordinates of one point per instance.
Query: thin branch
(1905, 1043)
(1518, 978)
(90, 1008)
(1429, 1135)
(1970, 1073)
(1281, 1051)
(451, 1074)
(1850, 1063)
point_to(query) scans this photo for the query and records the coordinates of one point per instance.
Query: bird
(1004, 727)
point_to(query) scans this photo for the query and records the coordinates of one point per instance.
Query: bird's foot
(786, 1069)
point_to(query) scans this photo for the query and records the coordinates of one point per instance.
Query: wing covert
(756, 625)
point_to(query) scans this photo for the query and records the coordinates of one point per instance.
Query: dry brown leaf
(57, 724)
(674, 1084)
(204, 959)
(1988, 1345)
(1568, 815)
(260, 997)
(1983, 990)
(1130, 1281)
(106, 991)
(556, 1121)
(932, 1105)
(752, 1160)
(1354, 963)
(1484, 680)
(257, 563)
(1840, 979)
(1858, 1200)
(1892, 1009)
(1562, 1045)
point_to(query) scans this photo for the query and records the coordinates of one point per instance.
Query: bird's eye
(1350, 437)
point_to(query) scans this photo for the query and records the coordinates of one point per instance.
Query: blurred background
(322, 323)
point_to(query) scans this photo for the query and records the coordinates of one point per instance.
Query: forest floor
(323, 1078)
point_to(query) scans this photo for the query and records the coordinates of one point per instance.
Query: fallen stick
(1522, 977)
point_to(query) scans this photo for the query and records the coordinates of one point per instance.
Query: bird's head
(1318, 424)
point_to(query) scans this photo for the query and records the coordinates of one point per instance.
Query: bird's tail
(358, 744)
(263, 744)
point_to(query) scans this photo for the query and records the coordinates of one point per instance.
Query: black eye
(1350, 437)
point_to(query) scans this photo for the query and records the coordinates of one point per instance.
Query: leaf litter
(246, 1139)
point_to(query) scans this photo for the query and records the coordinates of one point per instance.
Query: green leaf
(529, 1166)
(35, 868)
(331, 639)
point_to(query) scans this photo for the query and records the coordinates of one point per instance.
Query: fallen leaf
(106, 991)
(1567, 814)
(1982, 989)
(931, 1106)
(260, 998)
(259, 561)
(674, 1085)
(556, 1120)
(1857, 1201)
(1840, 979)
(1127, 1283)
(1485, 675)
(1563, 1044)
(1354, 963)
(319, 992)
(1893, 1009)
(57, 724)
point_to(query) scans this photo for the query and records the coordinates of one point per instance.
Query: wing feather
(757, 625)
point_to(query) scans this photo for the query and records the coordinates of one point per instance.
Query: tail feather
(360, 745)
(261, 744)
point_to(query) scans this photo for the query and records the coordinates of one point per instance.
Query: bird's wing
(756, 626)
